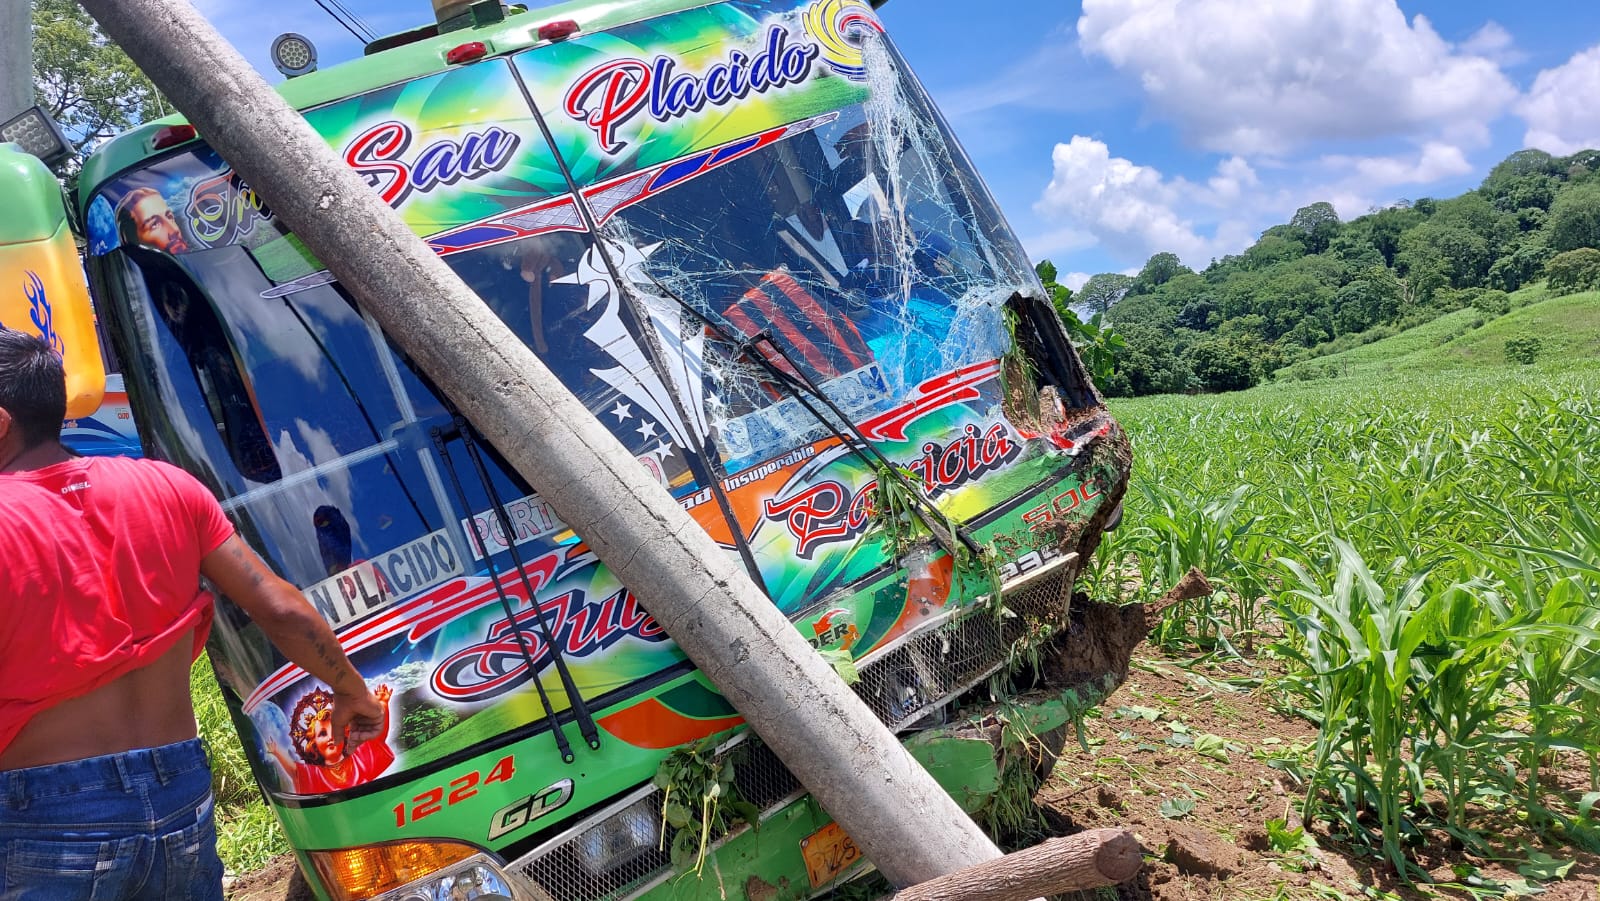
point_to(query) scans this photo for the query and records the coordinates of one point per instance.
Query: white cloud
(1130, 209)
(1241, 76)
(1562, 108)
(1233, 177)
(1074, 280)
(1435, 161)
(1492, 42)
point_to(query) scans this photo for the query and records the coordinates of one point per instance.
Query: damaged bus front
(742, 235)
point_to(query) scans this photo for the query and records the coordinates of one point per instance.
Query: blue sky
(1113, 129)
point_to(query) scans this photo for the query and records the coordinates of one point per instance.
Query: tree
(1457, 254)
(85, 82)
(1574, 271)
(1101, 291)
(1575, 218)
(1226, 364)
(1277, 245)
(1161, 268)
(1517, 172)
(1522, 262)
(1147, 364)
(1317, 225)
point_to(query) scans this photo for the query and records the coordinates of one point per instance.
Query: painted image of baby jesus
(326, 762)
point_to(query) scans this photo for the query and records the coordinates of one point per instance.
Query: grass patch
(1568, 327)
(248, 835)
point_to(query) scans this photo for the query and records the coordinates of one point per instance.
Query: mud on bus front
(742, 235)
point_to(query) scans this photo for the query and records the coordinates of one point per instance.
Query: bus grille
(901, 686)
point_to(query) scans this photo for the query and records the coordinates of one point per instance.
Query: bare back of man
(146, 708)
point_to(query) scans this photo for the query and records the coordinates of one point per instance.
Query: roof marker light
(172, 136)
(558, 31)
(466, 53)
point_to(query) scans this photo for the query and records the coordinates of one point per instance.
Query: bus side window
(192, 321)
(107, 353)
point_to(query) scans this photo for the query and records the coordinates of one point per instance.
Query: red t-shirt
(99, 575)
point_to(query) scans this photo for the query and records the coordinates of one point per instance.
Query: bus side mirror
(42, 286)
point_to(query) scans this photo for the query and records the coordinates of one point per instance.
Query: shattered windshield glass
(856, 257)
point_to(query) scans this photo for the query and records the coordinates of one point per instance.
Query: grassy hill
(1568, 328)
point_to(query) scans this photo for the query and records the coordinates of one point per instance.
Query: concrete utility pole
(16, 57)
(898, 815)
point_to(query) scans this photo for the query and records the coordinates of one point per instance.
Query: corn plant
(1220, 540)
(1361, 637)
(1462, 672)
(1556, 657)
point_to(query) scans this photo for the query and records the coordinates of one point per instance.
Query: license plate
(828, 852)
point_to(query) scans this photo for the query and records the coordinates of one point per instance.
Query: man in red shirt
(104, 788)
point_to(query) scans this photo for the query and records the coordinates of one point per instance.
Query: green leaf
(844, 665)
(1177, 808)
(748, 812)
(1545, 868)
(1586, 805)
(1212, 746)
(685, 848)
(1287, 839)
(1149, 714)
(677, 815)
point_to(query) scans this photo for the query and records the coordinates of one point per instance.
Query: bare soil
(1143, 753)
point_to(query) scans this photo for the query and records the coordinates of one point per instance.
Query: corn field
(1421, 556)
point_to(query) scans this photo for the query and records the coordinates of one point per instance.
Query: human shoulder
(140, 469)
(126, 475)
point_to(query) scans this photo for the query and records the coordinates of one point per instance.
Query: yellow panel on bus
(42, 288)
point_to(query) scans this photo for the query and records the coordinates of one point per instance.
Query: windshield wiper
(575, 699)
(801, 387)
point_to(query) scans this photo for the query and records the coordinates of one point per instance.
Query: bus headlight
(618, 839)
(418, 871)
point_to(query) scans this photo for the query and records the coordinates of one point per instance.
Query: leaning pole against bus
(906, 824)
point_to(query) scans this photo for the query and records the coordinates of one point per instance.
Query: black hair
(33, 386)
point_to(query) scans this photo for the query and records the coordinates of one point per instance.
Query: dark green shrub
(1523, 349)
(1574, 271)
(1495, 303)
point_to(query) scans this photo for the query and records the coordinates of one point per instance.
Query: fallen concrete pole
(1089, 860)
(902, 820)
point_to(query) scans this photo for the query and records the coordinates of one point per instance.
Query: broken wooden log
(1092, 859)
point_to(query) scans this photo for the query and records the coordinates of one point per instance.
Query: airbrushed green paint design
(693, 40)
(449, 106)
(367, 73)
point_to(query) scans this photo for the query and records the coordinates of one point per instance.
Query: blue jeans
(134, 825)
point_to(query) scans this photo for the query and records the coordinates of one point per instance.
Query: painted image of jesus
(326, 762)
(144, 219)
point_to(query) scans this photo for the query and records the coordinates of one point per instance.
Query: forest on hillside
(1317, 285)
